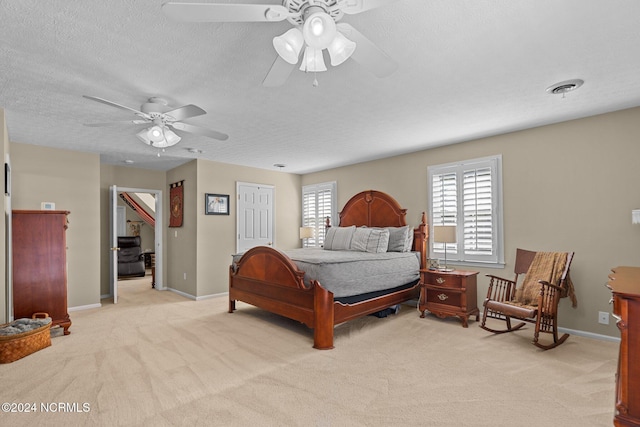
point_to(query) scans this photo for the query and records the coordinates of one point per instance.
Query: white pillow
(374, 240)
(339, 238)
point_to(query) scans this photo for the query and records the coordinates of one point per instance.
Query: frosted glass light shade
(289, 45)
(312, 61)
(319, 30)
(340, 49)
(158, 137)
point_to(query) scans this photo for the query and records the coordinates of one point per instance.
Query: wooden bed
(269, 279)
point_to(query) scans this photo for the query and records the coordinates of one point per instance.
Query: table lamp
(444, 234)
(306, 233)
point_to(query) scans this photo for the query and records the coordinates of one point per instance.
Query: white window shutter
(468, 195)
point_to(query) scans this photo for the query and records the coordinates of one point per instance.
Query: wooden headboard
(373, 208)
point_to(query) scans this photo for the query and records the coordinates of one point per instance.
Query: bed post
(420, 235)
(232, 302)
(322, 318)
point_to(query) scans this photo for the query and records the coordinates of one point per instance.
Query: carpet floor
(158, 359)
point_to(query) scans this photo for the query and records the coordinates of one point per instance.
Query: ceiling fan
(157, 112)
(316, 28)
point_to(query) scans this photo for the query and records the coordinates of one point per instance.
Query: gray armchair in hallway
(130, 257)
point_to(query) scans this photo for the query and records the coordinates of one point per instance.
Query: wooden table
(451, 293)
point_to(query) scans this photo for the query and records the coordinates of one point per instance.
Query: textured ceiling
(466, 69)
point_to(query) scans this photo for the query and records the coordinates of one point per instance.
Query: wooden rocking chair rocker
(536, 301)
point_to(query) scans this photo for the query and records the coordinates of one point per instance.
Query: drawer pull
(440, 280)
(443, 297)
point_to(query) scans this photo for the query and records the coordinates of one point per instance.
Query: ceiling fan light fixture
(313, 61)
(340, 49)
(155, 134)
(289, 45)
(158, 137)
(319, 30)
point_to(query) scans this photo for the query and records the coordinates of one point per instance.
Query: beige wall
(181, 241)
(567, 187)
(69, 179)
(216, 238)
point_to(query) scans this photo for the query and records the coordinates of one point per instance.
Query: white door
(113, 237)
(254, 215)
(113, 242)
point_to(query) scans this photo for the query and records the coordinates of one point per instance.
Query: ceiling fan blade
(199, 130)
(279, 73)
(129, 122)
(186, 112)
(351, 7)
(213, 12)
(113, 104)
(367, 53)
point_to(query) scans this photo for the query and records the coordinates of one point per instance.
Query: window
(468, 195)
(318, 203)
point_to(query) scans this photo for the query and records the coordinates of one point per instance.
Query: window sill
(499, 265)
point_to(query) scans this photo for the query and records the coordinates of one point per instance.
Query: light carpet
(159, 359)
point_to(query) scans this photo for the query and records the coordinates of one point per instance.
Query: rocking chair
(546, 280)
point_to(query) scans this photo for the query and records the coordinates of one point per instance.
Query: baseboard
(184, 294)
(105, 296)
(222, 294)
(588, 335)
(84, 307)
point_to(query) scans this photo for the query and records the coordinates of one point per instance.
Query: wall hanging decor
(176, 200)
(216, 204)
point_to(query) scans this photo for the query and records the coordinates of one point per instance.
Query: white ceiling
(466, 69)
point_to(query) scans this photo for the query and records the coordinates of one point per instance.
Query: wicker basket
(17, 346)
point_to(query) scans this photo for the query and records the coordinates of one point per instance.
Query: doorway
(115, 225)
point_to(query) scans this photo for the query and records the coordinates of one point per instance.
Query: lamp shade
(340, 49)
(158, 137)
(312, 61)
(444, 233)
(289, 45)
(306, 232)
(319, 30)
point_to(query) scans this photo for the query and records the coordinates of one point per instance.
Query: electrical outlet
(603, 317)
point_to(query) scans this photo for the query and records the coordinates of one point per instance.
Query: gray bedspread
(347, 273)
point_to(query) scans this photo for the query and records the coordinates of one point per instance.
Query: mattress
(349, 273)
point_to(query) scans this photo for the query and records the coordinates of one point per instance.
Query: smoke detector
(565, 87)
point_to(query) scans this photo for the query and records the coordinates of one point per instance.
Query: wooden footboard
(267, 278)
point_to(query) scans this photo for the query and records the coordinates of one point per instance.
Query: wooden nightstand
(452, 293)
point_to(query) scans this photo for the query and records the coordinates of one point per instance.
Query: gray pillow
(339, 238)
(400, 238)
(374, 240)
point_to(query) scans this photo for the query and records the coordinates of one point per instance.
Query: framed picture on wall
(216, 204)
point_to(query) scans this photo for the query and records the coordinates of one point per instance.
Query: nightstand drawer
(442, 296)
(444, 280)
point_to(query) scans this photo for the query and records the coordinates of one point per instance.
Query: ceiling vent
(564, 87)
